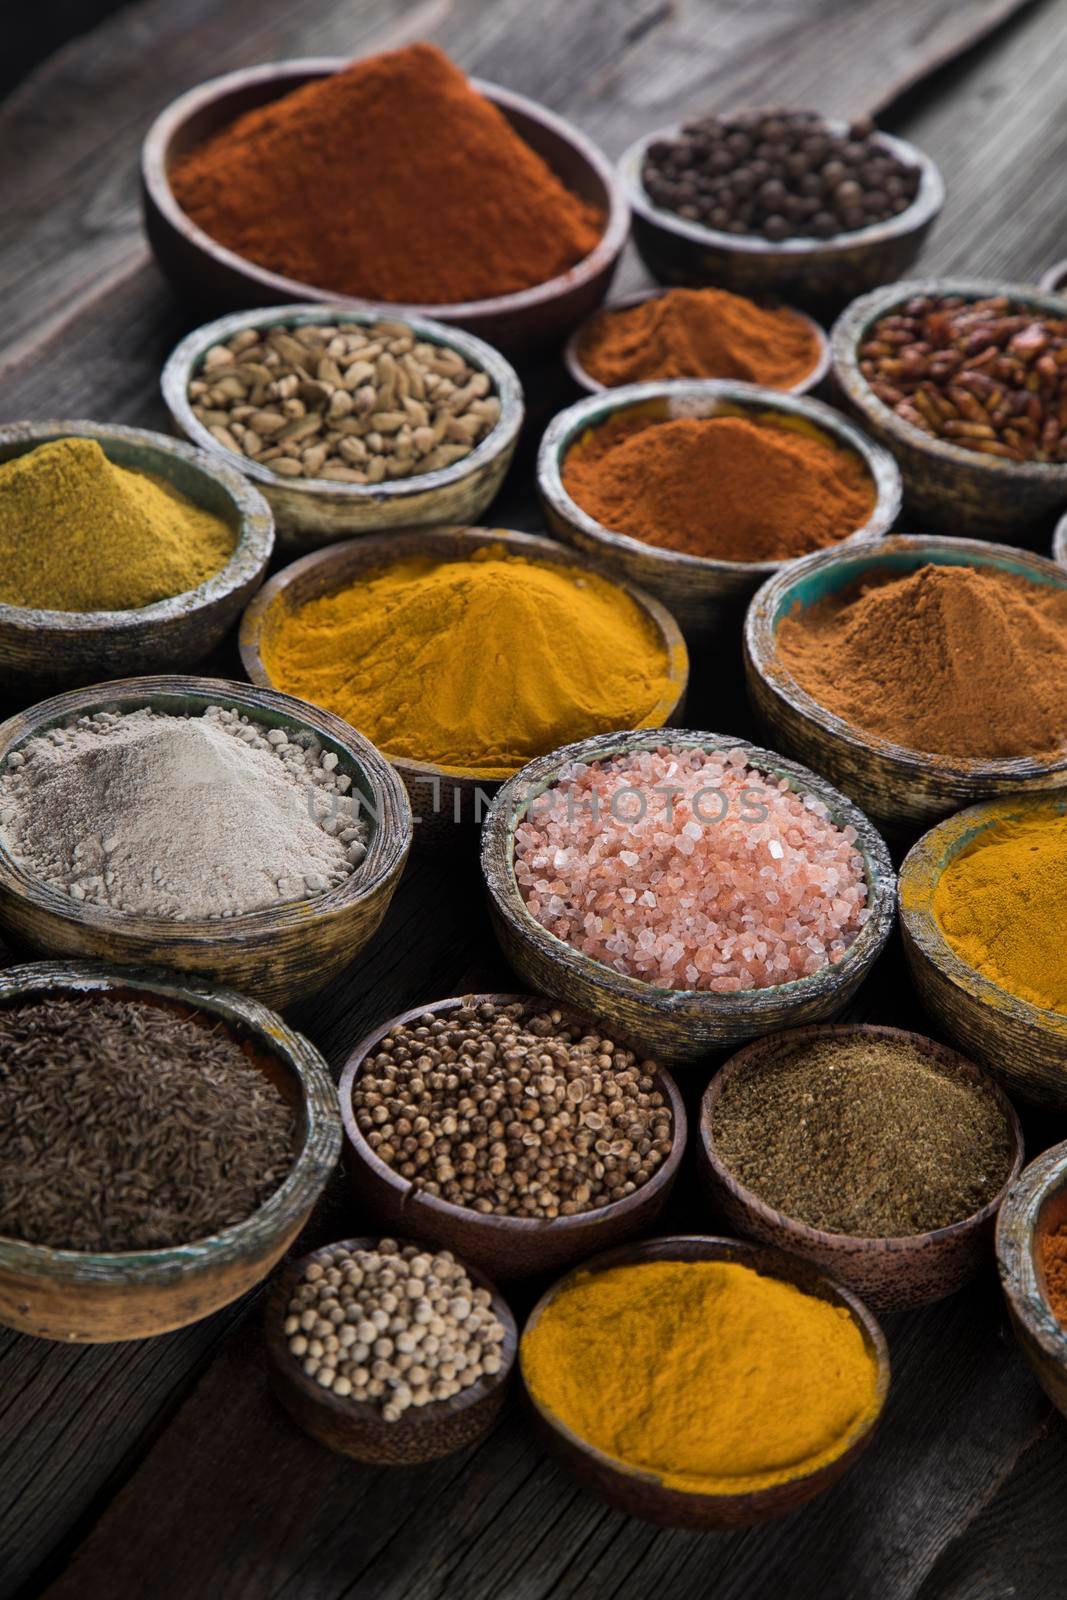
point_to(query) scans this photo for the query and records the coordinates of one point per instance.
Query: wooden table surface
(164, 1468)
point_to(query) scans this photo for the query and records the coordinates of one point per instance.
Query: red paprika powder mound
(390, 180)
(725, 487)
(1054, 1261)
(952, 661)
(699, 333)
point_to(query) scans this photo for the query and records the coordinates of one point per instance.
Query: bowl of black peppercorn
(780, 202)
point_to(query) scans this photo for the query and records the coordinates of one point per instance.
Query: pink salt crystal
(696, 900)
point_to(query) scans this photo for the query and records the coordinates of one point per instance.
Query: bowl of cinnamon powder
(698, 490)
(392, 180)
(920, 674)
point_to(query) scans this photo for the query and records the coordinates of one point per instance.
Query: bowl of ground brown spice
(392, 180)
(164, 1142)
(877, 1154)
(1032, 1258)
(920, 675)
(699, 490)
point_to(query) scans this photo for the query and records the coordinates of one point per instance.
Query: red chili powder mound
(392, 180)
(724, 487)
(953, 661)
(1054, 1261)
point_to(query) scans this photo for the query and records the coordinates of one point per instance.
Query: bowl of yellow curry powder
(981, 910)
(703, 1383)
(461, 653)
(121, 552)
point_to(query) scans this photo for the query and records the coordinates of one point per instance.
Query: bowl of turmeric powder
(1032, 1258)
(981, 912)
(699, 489)
(121, 552)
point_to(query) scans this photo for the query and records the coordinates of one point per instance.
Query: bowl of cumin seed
(164, 1143)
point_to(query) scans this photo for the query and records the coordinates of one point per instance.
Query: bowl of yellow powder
(463, 652)
(121, 552)
(703, 1383)
(981, 910)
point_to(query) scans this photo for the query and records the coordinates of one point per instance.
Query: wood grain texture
(168, 1463)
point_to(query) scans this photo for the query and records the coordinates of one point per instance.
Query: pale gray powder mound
(180, 817)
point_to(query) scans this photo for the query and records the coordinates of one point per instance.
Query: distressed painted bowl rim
(248, 563)
(771, 1262)
(853, 323)
(1016, 1241)
(295, 1195)
(183, 365)
(1059, 542)
(804, 1232)
(531, 1227)
(772, 600)
(435, 541)
(498, 868)
(682, 395)
(154, 175)
(920, 872)
(928, 201)
(584, 379)
(1054, 280)
(389, 840)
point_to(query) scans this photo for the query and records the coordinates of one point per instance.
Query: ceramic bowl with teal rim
(1019, 1042)
(903, 790)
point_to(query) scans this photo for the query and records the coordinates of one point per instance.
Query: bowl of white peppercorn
(388, 1353)
(564, 1143)
(349, 421)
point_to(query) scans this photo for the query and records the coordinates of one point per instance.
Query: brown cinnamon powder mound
(952, 661)
(725, 487)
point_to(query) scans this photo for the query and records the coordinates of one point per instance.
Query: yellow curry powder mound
(78, 533)
(706, 1374)
(475, 664)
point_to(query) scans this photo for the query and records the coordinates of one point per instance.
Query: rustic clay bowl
(584, 379)
(515, 323)
(902, 790)
(703, 594)
(1023, 1045)
(945, 486)
(890, 1274)
(45, 650)
(674, 1025)
(814, 273)
(1054, 281)
(356, 1428)
(311, 512)
(505, 1247)
(280, 954)
(640, 1493)
(1036, 1203)
(441, 797)
(81, 1298)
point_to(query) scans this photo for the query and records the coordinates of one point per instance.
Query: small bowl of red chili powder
(1032, 1259)
(700, 490)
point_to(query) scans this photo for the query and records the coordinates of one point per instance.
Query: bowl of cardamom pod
(349, 421)
(122, 551)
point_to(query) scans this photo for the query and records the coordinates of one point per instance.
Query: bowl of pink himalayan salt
(692, 892)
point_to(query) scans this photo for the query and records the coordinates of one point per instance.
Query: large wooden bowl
(818, 274)
(890, 1274)
(675, 1025)
(41, 651)
(1023, 1045)
(945, 486)
(504, 1247)
(1036, 1204)
(1059, 542)
(313, 511)
(516, 323)
(705, 595)
(901, 789)
(84, 1298)
(441, 797)
(356, 1428)
(641, 1494)
(279, 954)
(572, 356)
